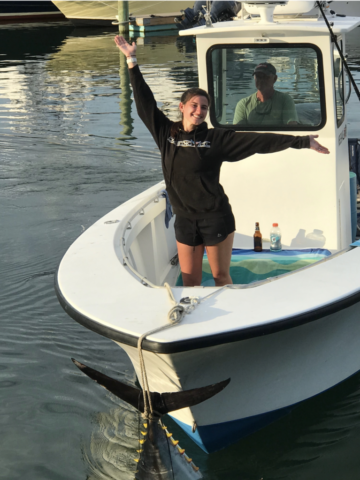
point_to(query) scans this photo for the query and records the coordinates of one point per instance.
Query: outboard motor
(221, 11)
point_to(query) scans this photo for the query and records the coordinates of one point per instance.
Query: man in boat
(267, 106)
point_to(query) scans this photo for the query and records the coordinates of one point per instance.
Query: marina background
(72, 148)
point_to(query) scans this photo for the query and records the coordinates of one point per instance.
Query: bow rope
(175, 316)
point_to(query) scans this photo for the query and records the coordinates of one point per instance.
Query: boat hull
(281, 341)
(269, 375)
(93, 13)
(28, 11)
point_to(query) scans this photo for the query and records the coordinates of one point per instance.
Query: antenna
(207, 15)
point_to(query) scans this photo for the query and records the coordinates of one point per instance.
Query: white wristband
(131, 60)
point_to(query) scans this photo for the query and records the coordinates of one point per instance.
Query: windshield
(266, 88)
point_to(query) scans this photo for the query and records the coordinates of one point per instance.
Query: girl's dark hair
(185, 97)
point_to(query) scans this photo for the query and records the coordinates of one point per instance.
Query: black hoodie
(191, 162)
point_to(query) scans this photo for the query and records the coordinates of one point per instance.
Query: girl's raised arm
(154, 119)
(128, 50)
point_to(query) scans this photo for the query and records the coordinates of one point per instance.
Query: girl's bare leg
(219, 259)
(190, 259)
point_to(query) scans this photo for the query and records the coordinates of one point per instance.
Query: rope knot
(176, 313)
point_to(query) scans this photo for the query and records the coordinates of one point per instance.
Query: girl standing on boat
(191, 156)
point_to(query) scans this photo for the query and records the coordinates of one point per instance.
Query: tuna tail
(162, 402)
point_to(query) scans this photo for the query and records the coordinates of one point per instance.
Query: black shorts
(207, 231)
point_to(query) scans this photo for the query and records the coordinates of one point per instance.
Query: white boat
(104, 13)
(99, 13)
(332, 8)
(281, 339)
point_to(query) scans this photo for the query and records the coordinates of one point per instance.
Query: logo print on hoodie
(189, 143)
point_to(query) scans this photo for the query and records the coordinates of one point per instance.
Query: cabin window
(267, 87)
(218, 83)
(339, 84)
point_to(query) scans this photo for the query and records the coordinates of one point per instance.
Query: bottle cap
(275, 224)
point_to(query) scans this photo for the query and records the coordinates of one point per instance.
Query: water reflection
(125, 97)
(112, 448)
(19, 43)
(86, 69)
(311, 443)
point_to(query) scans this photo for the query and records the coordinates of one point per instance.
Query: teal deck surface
(248, 266)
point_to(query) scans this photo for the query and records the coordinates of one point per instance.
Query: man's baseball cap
(266, 68)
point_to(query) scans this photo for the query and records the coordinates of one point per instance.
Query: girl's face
(194, 112)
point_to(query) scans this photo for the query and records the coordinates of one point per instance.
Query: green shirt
(278, 110)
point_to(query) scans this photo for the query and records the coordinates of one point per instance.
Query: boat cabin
(307, 194)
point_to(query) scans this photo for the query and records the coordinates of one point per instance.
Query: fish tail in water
(162, 402)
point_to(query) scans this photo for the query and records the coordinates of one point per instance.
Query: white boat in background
(281, 339)
(309, 8)
(99, 13)
(104, 13)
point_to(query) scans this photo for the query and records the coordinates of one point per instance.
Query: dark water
(71, 149)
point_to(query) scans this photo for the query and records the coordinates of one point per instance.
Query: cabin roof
(304, 25)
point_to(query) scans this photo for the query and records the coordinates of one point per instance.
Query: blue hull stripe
(211, 438)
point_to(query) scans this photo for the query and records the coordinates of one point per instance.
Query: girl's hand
(127, 49)
(314, 145)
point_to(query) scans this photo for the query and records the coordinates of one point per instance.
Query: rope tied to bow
(175, 316)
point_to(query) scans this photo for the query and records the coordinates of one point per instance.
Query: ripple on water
(113, 444)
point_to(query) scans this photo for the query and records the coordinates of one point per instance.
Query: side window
(339, 85)
(218, 83)
(266, 88)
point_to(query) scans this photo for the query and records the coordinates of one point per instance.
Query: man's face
(263, 81)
